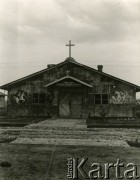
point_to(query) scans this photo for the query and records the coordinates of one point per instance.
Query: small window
(42, 98)
(39, 98)
(101, 99)
(97, 98)
(104, 98)
(35, 98)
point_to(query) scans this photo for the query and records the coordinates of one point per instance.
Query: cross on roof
(70, 47)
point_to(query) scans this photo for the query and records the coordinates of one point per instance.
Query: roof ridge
(74, 62)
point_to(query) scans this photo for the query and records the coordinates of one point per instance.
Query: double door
(70, 104)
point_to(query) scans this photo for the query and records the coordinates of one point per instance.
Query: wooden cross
(70, 47)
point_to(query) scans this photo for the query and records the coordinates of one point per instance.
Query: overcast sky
(33, 33)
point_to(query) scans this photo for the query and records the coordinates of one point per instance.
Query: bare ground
(40, 151)
(32, 162)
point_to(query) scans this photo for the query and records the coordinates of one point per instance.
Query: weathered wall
(20, 101)
(3, 107)
(121, 96)
(121, 100)
(2, 102)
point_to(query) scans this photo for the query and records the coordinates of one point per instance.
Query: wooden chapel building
(71, 90)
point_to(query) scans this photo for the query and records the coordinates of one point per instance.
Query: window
(39, 98)
(35, 98)
(104, 98)
(98, 99)
(101, 98)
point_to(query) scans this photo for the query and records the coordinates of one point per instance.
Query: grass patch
(32, 161)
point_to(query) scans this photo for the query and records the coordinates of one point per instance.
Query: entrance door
(70, 104)
(76, 105)
(64, 105)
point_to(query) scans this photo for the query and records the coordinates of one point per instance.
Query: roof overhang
(70, 78)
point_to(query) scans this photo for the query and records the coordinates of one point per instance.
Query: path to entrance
(68, 132)
(60, 123)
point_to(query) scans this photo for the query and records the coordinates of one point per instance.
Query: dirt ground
(49, 162)
(35, 155)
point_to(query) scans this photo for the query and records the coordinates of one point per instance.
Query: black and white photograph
(69, 89)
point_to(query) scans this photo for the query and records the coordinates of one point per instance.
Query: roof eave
(110, 76)
(6, 86)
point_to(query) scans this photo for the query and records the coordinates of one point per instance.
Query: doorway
(70, 104)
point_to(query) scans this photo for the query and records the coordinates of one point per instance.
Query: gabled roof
(68, 77)
(5, 86)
